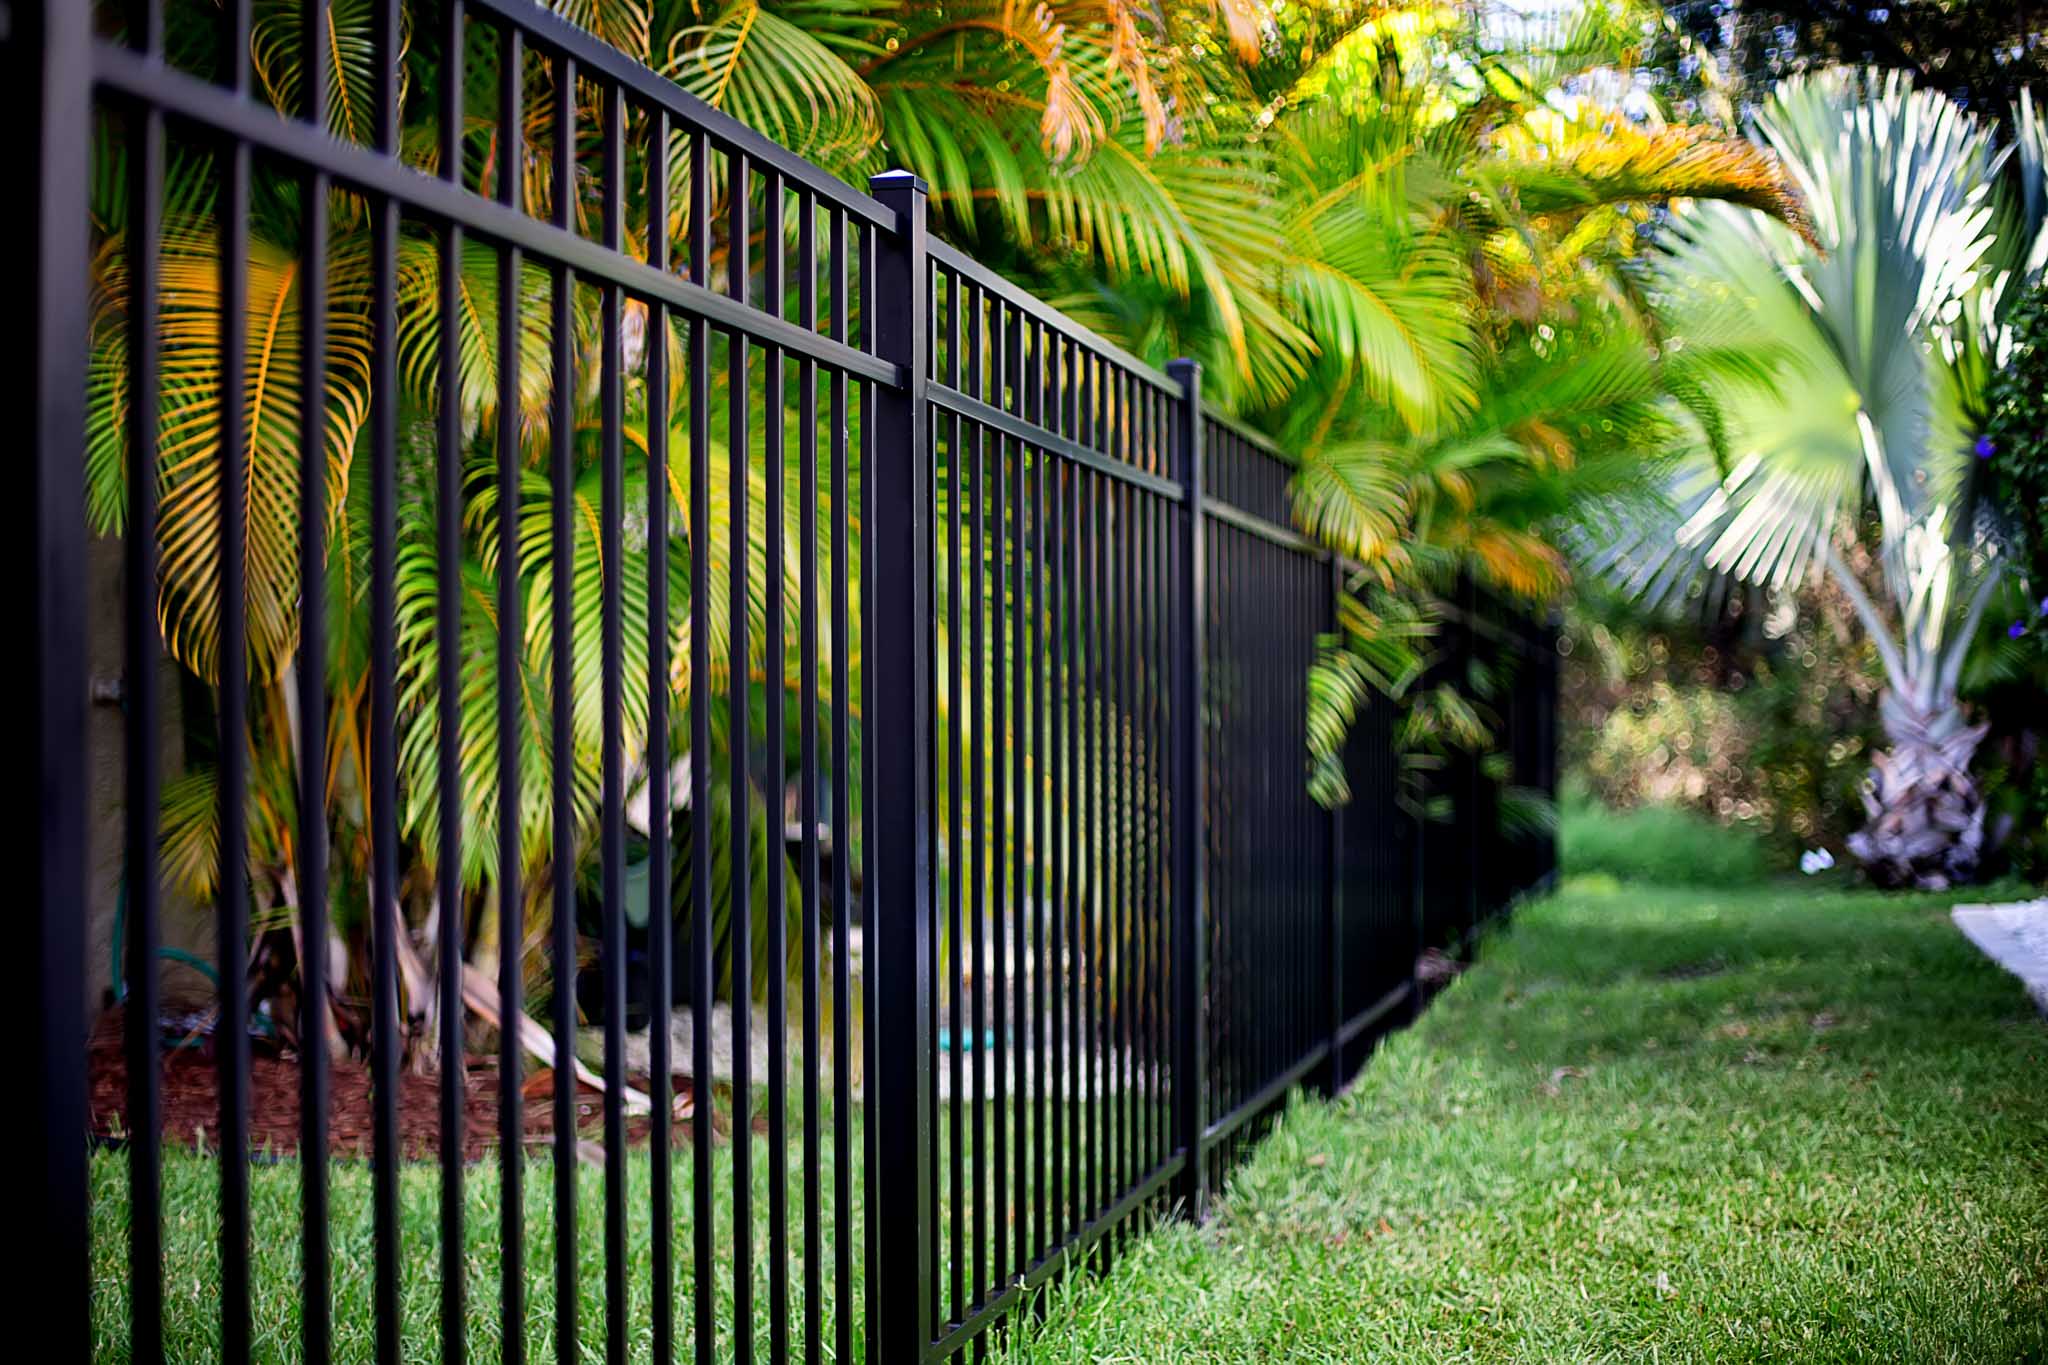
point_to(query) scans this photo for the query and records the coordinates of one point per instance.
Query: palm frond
(767, 69)
(277, 48)
(188, 441)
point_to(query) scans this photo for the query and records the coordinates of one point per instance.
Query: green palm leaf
(1897, 183)
(771, 71)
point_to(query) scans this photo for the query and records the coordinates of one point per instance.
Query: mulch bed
(191, 1103)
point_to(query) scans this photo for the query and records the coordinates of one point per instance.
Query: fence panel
(1047, 1003)
(553, 410)
(632, 566)
(1270, 992)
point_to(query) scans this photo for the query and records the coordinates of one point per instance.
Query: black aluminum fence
(1012, 629)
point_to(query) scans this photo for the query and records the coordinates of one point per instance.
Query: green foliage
(1860, 455)
(1868, 401)
(2014, 454)
(1383, 229)
(1755, 714)
(1378, 650)
(1661, 845)
(2007, 673)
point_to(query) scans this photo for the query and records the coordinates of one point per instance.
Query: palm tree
(1883, 330)
(187, 465)
(822, 79)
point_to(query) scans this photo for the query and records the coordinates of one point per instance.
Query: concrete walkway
(2015, 936)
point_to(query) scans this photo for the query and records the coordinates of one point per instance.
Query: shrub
(2008, 670)
(1759, 716)
(1668, 845)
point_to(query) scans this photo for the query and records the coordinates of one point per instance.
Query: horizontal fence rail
(747, 779)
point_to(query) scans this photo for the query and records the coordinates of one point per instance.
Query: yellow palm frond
(188, 442)
(1569, 164)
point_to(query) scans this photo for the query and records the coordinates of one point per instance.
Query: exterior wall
(184, 925)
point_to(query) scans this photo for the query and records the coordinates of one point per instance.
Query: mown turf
(192, 1268)
(1759, 1124)
(1665, 845)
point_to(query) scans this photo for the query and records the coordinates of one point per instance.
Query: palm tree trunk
(1926, 815)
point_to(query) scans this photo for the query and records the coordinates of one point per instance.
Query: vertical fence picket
(140, 689)
(739, 756)
(383, 795)
(810, 889)
(510, 891)
(562, 716)
(866, 265)
(1023, 785)
(702, 975)
(1333, 885)
(611, 382)
(1030, 396)
(233, 161)
(315, 1013)
(844, 785)
(952, 952)
(660, 765)
(47, 61)
(447, 688)
(773, 654)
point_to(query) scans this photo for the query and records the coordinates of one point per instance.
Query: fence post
(1547, 703)
(44, 55)
(1333, 874)
(1467, 797)
(1418, 896)
(898, 688)
(1190, 863)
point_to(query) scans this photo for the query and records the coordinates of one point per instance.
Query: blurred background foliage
(1752, 718)
(2009, 674)
(1980, 52)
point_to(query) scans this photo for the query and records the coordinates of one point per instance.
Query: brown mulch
(191, 1103)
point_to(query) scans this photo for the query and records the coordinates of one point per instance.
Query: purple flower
(2043, 608)
(2015, 630)
(1985, 448)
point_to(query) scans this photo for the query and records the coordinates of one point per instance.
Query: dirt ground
(191, 1103)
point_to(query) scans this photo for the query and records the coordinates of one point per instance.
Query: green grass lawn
(1775, 1122)
(1768, 1123)
(191, 1229)
(192, 1264)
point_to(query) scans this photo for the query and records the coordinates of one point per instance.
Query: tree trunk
(1926, 816)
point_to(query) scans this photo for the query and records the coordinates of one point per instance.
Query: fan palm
(1885, 327)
